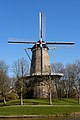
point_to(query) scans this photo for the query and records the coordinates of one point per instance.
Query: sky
(20, 19)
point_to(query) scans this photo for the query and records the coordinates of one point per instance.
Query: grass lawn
(56, 101)
(38, 110)
(40, 107)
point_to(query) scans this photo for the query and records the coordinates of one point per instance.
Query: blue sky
(20, 19)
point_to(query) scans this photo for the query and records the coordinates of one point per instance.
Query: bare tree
(70, 77)
(69, 85)
(58, 68)
(20, 69)
(77, 79)
(51, 88)
(4, 80)
(50, 84)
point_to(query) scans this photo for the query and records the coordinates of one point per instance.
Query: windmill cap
(37, 45)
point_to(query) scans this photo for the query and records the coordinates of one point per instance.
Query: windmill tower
(40, 64)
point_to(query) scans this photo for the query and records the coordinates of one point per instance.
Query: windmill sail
(42, 20)
(20, 42)
(60, 43)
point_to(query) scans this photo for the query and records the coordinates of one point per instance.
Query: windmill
(40, 51)
(40, 62)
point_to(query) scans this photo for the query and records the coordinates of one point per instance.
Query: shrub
(12, 96)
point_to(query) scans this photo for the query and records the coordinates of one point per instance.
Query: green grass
(38, 110)
(62, 106)
(28, 102)
(63, 101)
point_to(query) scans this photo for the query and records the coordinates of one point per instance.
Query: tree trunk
(50, 97)
(67, 93)
(4, 100)
(78, 98)
(21, 99)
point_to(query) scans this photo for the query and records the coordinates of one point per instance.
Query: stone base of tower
(41, 90)
(43, 86)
